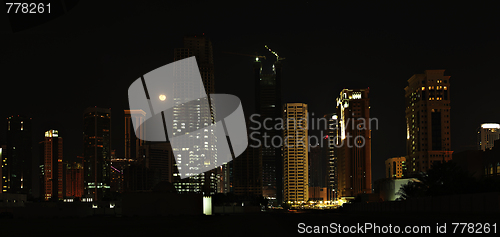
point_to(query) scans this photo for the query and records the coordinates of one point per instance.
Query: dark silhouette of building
(97, 151)
(318, 166)
(247, 173)
(139, 178)
(156, 164)
(132, 143)
(159, 156)
(17, 158)
(268, 106)
(117, 176)
(480, 164)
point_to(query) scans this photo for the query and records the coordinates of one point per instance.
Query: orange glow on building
(74, 180)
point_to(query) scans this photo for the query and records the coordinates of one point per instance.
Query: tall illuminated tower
(97, 151)
(194, 117)
(51, 166)
(295, 153)
(17, 158)
(487, 134)
(332, 140)
(354, 146)
(427, 99)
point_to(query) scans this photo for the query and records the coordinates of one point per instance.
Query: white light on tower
(51, 133)
(490, 125)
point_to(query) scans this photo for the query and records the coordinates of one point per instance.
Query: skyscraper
(97, 151)
(3, 150)
(74, 179)
(427, 99)
(159, 157)
(17, 158)
(487, 134)
(51, 166)
(132, 143)
(247, 171)
(295, 153)
(354, 145)
(199, 46)
(318, 166)
(195, 116)
(117, 179)
(268, 107)
(332, 140)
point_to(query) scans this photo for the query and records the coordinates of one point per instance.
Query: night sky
(91, 55)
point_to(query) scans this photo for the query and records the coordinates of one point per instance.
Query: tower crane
(275, 54)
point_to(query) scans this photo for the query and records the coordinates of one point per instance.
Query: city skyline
(120, 149)
(357, 63)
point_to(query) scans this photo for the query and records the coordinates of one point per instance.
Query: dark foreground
(258, 224)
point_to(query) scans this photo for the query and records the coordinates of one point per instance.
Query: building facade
(332, 140)
(3, 149)
(17, 157)
(196, 116)
(247, 173)
(74, 180)
(295, 153)
(132, 143)
(354, 143)
(97, 152)
(487, 134)
(118, 166)
(199, 46)
(395, 168)
(51, 166)
(427, 99)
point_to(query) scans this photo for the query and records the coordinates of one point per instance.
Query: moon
(163, 97)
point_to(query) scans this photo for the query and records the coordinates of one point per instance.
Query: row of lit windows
(489, 169)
